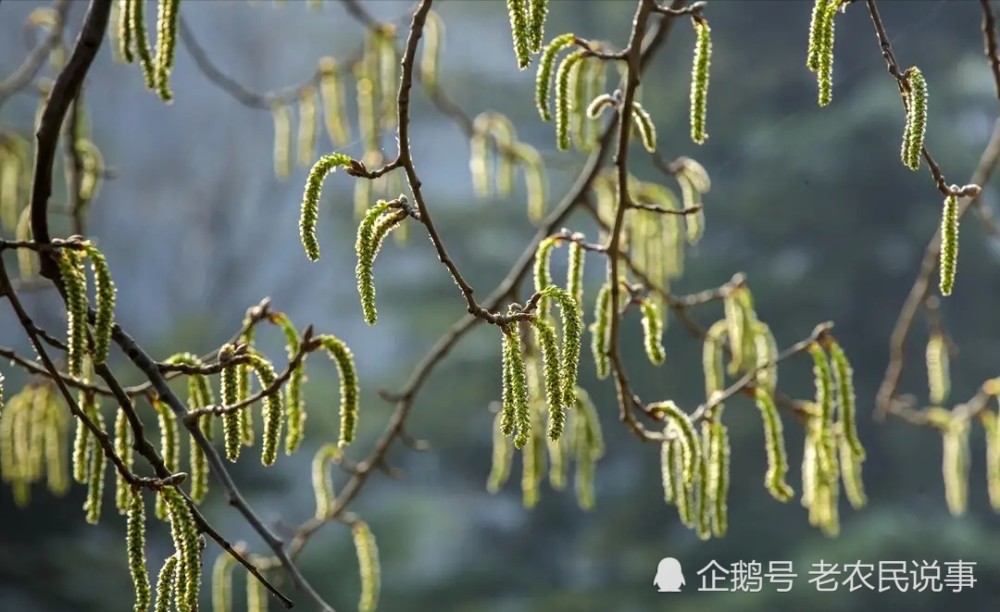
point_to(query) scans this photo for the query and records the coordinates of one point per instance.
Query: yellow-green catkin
(955, 464)
(652, 331)
(572, 332)
(503, 454)
(273, 408)
(679, 424)
(542, 274)
(371, 233)
(322, 484)
(331, 92)
(136, 540)
(823, 382)
(222, 583)
(170, 447)
(938, 377)
(821, 44)
(706, 503)
(699, 80)
(916, 119)
(843, 377)
(184, 533)
(718, 476)
(230, 394)
(56, 430)
(535, 180)
(166, 45)
(599, 331)
(711, 358)
(566, 76)
(123, 448)
(543, 79)
(306, 149)
(124, 36)
(991, 429)
(282, 140)
(97, 470)
(71, 272)
(105, 293)
(309, 215)
(545, 334)
(81, 441)
(522, 37)
(517, 386)
(368, 563)
(480, 165)
(948, 263)
(295, 413)
(774, 445)
(644, 123)
(537, 12)
(137, 23)
(349, 387)
(668, 469)
(431, 56)
(165, 584)
(850, 472)
(588, 447)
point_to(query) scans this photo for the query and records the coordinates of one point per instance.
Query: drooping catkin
(368, 563)
(137, 23)
(850, 473)
(916, 118)
(711, 358)
(371, 233)
(843, 377)
(679, 423)
(166, 45)
(948, 262)
(699, 80)
(588, 447)
(823, 382)
(306, 149)
(349, 387)
(75, 283)
(166, 584)
(543, 79)
(955, 464)
(518, 13)
(229, 384)
(774, 445)
(938, 379)
(256, 595)
(184, 533)
(309, 216)
(824, 54)
(766, 351)
(222, 583)
(331, 92)
(718, 477)
(273, 413)
(816, 27)
(991, 429)
(136, 546)
(542, 274)
(652, 331)
(321, 482)
(105, 291)
(535, 180)
(97, 471)
(706, 503)
(518, 390)
(599, 331)
(545, 334)
(668, 469)
(503, 454)
(123, 448)
(643, 123)
(537, 13)
(572, 331)
(566, 75)
(282, 140)
(430, 59)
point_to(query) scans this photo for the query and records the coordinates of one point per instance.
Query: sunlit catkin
(542, 274)
(306, 149)
(850, 472)
(652, 331)
(991, 428)
(774, 445)
(97, 471)
(75, 283)
(123, 448)
(955, 464)
(518, 12)
(938, 379)
(136, 546)
(824, 57)
(699, 80)
(166, 45)
(916, 118)
(565, 83)
(349, 387)
(184, 533)
(503, 454)
(816, 27)
(321, 481)
(431, 56)
(309, 216)
(230, 393)
(165, 585)
(282, 140)
(544, 76)
(137, 23)
(718, 477)
(545, 334)
(518, 386)
(599, 331)
(222, 583)
(948, 262)
(105, 291)
(367, 248)
(273, 409)
(331, 92)
(368, 563)
(711, 358)
(643, 123)
(572, 331)
(843, 377)
(679, 424)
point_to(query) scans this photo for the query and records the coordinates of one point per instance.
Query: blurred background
(812, 204)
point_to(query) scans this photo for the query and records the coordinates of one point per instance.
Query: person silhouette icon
(669, 577)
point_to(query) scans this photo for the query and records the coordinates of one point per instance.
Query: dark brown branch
(64, 91)
(990, 43)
